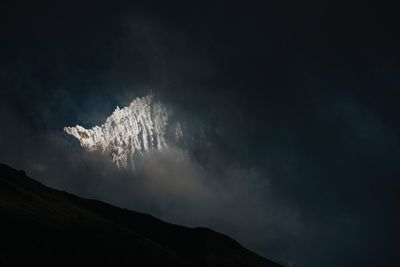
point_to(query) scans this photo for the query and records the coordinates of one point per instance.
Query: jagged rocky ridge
(129, 132)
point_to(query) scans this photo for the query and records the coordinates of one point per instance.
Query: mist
(291, 118)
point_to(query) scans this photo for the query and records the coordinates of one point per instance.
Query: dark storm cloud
(299, 107)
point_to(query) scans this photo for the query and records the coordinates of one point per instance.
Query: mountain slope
(41, 226)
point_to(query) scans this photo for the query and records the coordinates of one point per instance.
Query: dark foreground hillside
(41, 226)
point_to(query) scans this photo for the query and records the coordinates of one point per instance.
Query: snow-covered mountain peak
(129, 132)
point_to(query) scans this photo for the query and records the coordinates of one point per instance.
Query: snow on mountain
(129, 132)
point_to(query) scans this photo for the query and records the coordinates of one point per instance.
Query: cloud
(307, 189)
(170, 185)
(300, 165)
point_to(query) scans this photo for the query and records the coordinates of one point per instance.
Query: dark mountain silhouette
(41, 226)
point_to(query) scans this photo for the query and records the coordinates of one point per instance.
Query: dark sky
(300, 102)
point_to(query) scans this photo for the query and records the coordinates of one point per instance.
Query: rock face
(129, 132)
